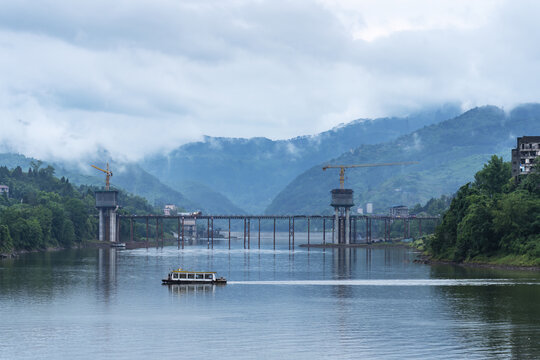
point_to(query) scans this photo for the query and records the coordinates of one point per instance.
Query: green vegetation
(43, 211)
(449, 154)
(249, 173)
(492, 219)
(128, 176)
(434, 207)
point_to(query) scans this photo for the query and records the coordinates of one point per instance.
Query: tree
(77, 213)
(6, 243)
(17, 173)
(493, 176)
(444, 242)
(474, 232)
(68, 233)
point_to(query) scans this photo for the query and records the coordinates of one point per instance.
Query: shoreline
(428, 260)
(422, 257)
(16, 253)
(350, 246)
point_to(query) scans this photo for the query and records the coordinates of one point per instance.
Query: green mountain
(133, 179)
(211, 201)
(42, 210)
(450, 153)
(251, 172)
(129, 177)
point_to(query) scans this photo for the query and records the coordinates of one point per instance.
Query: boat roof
(179, 270)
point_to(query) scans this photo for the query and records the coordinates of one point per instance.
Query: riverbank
(506, 261)
(94, 244)
(15, 253)
(363, 245)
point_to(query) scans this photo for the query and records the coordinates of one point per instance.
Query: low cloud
(132, 78)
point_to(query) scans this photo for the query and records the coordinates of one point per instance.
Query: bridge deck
(192, 229)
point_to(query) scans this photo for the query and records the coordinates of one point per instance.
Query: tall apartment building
(528, 149)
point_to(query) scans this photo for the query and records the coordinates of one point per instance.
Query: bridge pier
(342, 199)
(107, 205)
(110, 222)
(274, 237)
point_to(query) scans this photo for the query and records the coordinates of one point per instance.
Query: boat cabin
(191, 276)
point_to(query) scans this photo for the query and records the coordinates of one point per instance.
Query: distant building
(528, 149)
(4, 189)
(169, 210)
(360, 211)
(189, 223)
(399, 211)
(369, 208)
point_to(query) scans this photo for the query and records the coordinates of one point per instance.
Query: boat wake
(392, 282)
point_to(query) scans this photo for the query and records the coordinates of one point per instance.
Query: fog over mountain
(251, 172)
(235, 175)
(139, 78)
(449, 154)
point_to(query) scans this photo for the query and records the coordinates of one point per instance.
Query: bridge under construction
(326, 225)
(344, 227)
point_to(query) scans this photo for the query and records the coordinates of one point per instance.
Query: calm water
(354, 303)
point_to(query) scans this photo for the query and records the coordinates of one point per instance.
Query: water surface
(347, 303)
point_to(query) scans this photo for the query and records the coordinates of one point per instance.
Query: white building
(169, 210)
(369, 208)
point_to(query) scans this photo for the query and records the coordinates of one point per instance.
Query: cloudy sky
(135, 77)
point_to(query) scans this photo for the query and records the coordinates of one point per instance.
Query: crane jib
(343, 167)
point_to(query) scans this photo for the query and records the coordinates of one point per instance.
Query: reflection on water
(333, 303)
(106, 273)
(195, 289)
(513, 312)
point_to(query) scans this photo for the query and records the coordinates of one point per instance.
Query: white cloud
(370, 20)
(136, 77)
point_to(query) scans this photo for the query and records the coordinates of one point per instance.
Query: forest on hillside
(42, 211)
(492, 217)
(449, 153)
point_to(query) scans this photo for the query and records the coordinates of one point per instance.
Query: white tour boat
(180, 276)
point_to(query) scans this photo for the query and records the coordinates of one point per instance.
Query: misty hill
(133, 179)
(251, 172)
(130, 177)
(450, 153)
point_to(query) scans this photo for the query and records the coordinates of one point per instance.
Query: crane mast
(108, 174)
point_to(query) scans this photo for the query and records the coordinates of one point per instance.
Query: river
(316, 304)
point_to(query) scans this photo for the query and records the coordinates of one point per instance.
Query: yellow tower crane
(108, 174)
(343, 167)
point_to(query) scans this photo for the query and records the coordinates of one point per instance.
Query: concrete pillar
(347, 227)
(101, 226)
(112, 227)
(336, 228)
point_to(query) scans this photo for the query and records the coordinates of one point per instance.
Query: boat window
(175, 276)
(191, 276)
(182, 276)
(199, 276)
(208, 276)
